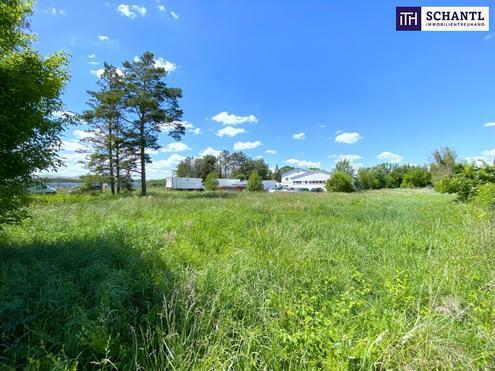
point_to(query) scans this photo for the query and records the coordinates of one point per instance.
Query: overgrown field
(388, 279)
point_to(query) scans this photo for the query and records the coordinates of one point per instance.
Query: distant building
(305, 179)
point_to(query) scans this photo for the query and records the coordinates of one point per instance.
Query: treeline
(125, 115)
(469, 181)
(345, 178)
(235, 165)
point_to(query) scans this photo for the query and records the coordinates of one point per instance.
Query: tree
(259, 166)
(224, 163)
(277, 175)
(255, 183)
(444, 163)
(111, 154)
(211, 181)
(153, 107)
(416, 177)
(207, 165)
(345, 166)
(30, 90)
(340, 181)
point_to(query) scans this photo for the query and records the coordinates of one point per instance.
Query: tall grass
(388, 279)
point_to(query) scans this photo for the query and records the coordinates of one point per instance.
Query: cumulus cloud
(348, 157)
(303, 163)
(175, 15)
(131, 11)
(99, 72)
(103, 38)
(230, 131)
(299, 136)
(210, 151)
(232, 119)
(489, 124)
(81, 134)
(240, 146)
(161, 8)
(166, 65)
(347, 138)
(270, 151)
(175, 147)
(389, 157)
(163, 167)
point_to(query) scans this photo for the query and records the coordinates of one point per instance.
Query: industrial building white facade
(305, 179)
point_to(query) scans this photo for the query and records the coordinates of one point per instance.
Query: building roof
(310, 173)
(293, 171)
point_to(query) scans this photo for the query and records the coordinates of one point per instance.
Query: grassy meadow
(384, 279)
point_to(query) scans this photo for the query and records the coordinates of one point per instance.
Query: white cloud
(63, 114)
(349, 157)
(230, 131)
(161, 8)
(175, 15)
(103, 37)
(478, 160)
(189, 127)
(210, 151)
(270, 151)
(240, 146)
(488, 37)
(303, 163)
(175, 147)
(54, 11)
(93, 63)
(347, 138)
(389, 157)
(322, 126)
(99, 72)
(299, 136)
(489, 124)
(169, 163)
(488, 153)
(131, 11)
(196, 131)
(81, 134)
(72, 145)
(166, 65)
(91, 56)
(232, 119)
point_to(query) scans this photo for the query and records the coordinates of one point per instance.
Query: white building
(305, 179)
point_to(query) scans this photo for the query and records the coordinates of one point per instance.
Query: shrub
(485, 196)
(340, 181)
(416, 177)
(211, 181)
(254, 184)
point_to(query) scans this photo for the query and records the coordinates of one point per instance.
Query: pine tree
(151, 106)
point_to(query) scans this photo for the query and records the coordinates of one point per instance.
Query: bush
(340, 181)
(254, 184)
(485, 196)
(367, 179)
(416, 177)
(211, 181)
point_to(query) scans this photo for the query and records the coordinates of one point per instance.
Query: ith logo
(408, 18)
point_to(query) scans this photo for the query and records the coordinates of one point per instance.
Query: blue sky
(302, 83)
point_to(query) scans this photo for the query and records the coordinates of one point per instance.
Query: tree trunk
(110, 160)
(143, 162)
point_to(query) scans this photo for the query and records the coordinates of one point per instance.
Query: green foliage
(416, 177)
(277, 174)
(31, 86)
(255, 183)
(485, 196)
(384, 280)
(444, 163)
(344, 166)
(340, 181)
(211, 181)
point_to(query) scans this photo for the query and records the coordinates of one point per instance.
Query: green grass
(388, 279)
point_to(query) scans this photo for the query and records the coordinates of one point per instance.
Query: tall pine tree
(151, 106)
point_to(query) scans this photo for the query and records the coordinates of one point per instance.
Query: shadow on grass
(73, 303)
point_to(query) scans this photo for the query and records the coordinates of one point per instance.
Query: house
(305, 179)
